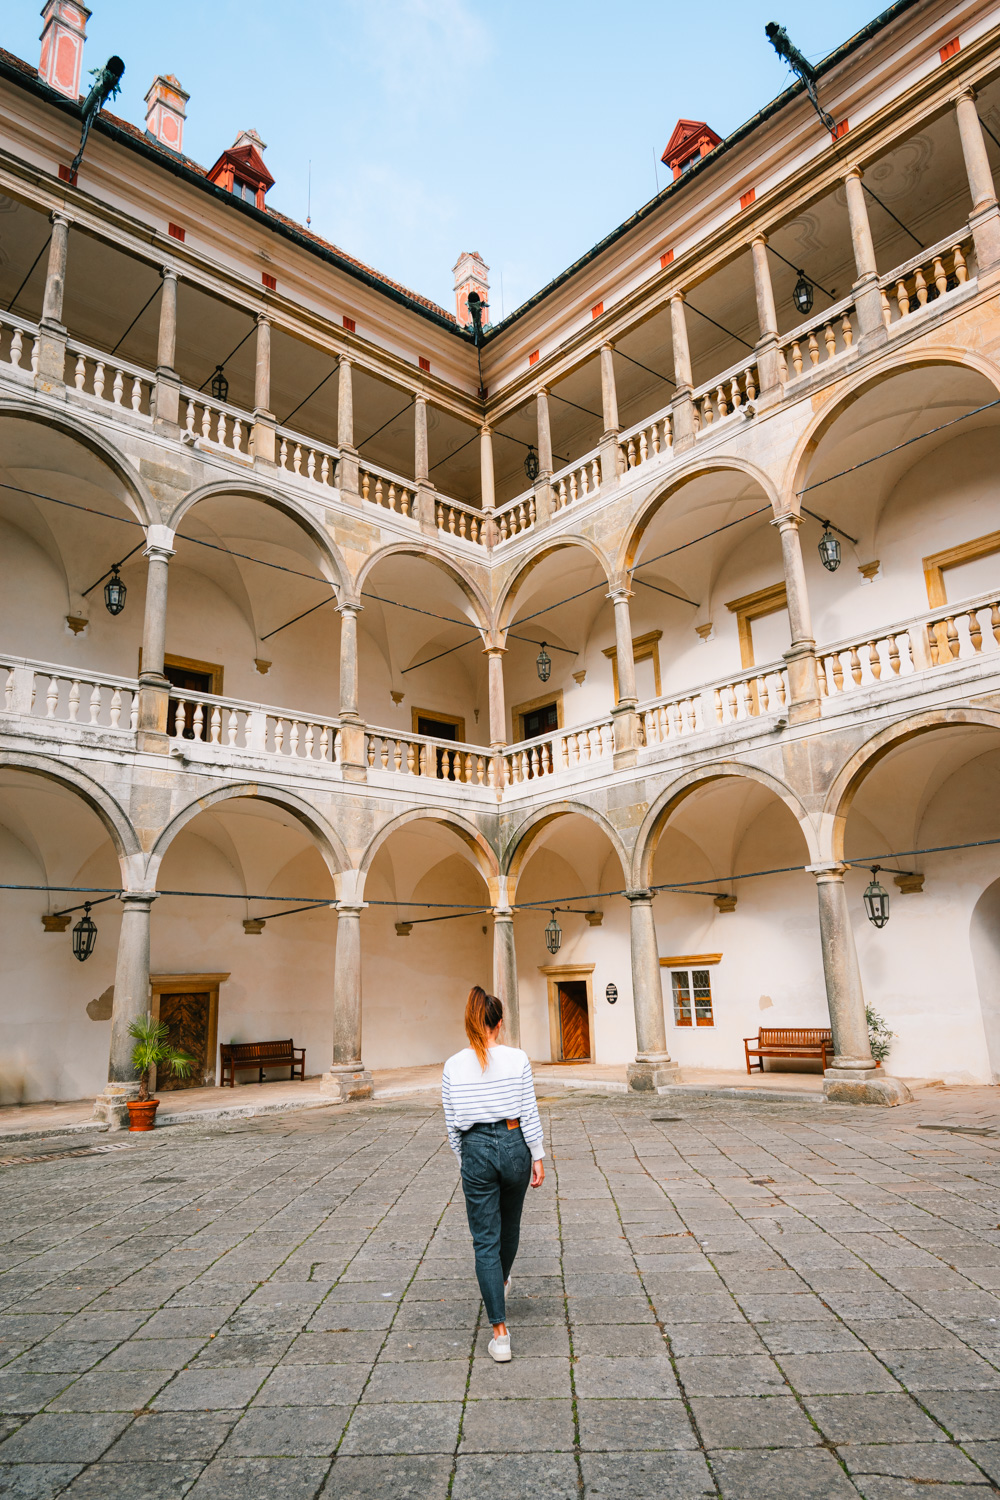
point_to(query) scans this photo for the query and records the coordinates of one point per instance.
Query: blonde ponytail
(483, 1013)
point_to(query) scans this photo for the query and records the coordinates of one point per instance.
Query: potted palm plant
(152, 1050)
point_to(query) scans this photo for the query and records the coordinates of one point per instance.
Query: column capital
(639, 895)
(349, 607)
(344, 359)
(829, 870)
(760, 238)
(607, 344)
(787, 519)
(351, 907)
(57, 216)
(159, 539)
(619, 593)
(419, 398)
(169, 273)
(138, 898)
(677, 296)
(854, 171)
(494, 650)
(264, 316)
(966, 92)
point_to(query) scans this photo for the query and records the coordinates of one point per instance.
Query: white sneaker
(506, 1285)
(500, 1348)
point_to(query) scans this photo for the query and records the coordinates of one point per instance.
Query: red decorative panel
(597, 309)
(748, 197)
(950, 48)
(425, 364)
(65, 175)
(349, 325)
(841, 129)
(666, 258)
(533, 358)
(176, 231)
(269, 281)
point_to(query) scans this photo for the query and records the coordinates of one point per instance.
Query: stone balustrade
(952, 633)
(515, 518)
(564, 751)
(18, 345)
(758, 691)
(300, 459)
(645, 443)
(460, 520)
(934, 273)
(57, 695)
(251, 727)
(576, 482)
(734, 390)
(828, 336)
(215, 424)
(381, 488)
(109, 380)
(400, 754)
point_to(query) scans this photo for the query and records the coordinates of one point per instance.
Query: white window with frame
(692, 997)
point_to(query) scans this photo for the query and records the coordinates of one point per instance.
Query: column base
(647, 1074)
(152, 742)
(343, 1085)
(111, 1107)
(863, 1086)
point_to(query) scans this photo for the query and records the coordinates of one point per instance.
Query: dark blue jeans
(496, 1171)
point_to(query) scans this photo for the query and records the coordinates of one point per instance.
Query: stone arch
(108, 809)
(276, 500)
(328, 841)
(437, 558)
(847, 783)
(520, 846)
(511, 588)
(857, 387)
(673, 795)
(144, 506)
(482, 850)
(677, 481)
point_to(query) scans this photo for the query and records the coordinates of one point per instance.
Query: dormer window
(245, 191)
(687, 165)
(241, 170)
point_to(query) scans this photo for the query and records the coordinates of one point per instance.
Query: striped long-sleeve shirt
(506, 1091)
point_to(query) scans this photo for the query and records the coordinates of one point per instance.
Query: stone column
(543, 485)
(348, 1078)
(652, 1065)
(505, 973)
(867, 297)
(154, 689)
(609, 408)
(264, 446)
(487, 485)
(767, 321)
(167, 398)
(52, 330)
(352, 730)
(498, 708)
(131, 1002)
(682, 412)
(851, 1076)
(425, 492)
(803, 682)
(347, 469)
(984, 220)
(624, 716)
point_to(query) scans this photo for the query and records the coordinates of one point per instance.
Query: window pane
(682, 997)
(702, 987)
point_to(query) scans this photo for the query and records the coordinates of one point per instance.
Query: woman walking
(493, 1128)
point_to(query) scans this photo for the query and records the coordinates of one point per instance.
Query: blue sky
(522, 130)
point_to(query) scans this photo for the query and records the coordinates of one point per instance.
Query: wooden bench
(798, 1041)
(261, 1055)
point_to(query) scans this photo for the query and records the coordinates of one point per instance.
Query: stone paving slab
(750, 1298)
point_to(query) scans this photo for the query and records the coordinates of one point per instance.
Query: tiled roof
(125, 127)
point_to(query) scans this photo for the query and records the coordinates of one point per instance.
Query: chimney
(472, 274)
(64, 32)
(165, 111)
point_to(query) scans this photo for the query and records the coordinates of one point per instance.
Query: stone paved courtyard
(749, 1300)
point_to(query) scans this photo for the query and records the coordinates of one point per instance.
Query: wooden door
(574, 1021)
(187, 1018)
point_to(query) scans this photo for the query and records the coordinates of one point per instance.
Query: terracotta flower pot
(142, 1113)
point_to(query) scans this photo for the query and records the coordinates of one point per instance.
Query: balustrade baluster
(324, 742)
(894, 662)
(370, 749)
(630, 453)
(874, 661)
(215, 725)
(995, 622)
(232, 727)
(95, 703)
(279, 736)
(584, 481)
(297, 459)
(74, 701)
(311, 464)
(954, 645)
(116, 707)
(838, 672)
(180, 718)
(136, 393)
(940, 275)
(117, 388)
(750, 383)
(283, 454)
(886, 308)
(920, 285)
(462, 528)
(80, 373)
(847, 330)
(735, 396)
(960, 269)
(720, 401)
(198, 722)
(365, 484)
(830, 339)
(813, 350)
(975, 633)
(644, 447)
(855, 666)
(324, 470)
(308, 742)
(797, 356)
(902, 298)
(52, 695)
(99, 379)
(133, 713)
(16, 344)
(206, 423)
(731, 697)
(411, 758)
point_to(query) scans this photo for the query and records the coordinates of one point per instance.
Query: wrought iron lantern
(114, 592)
(877, 900)
(829, 550)
(553, 935)
(802, 296)
(84, 935)
(531, 466)
(543, 663)
(220, 385)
